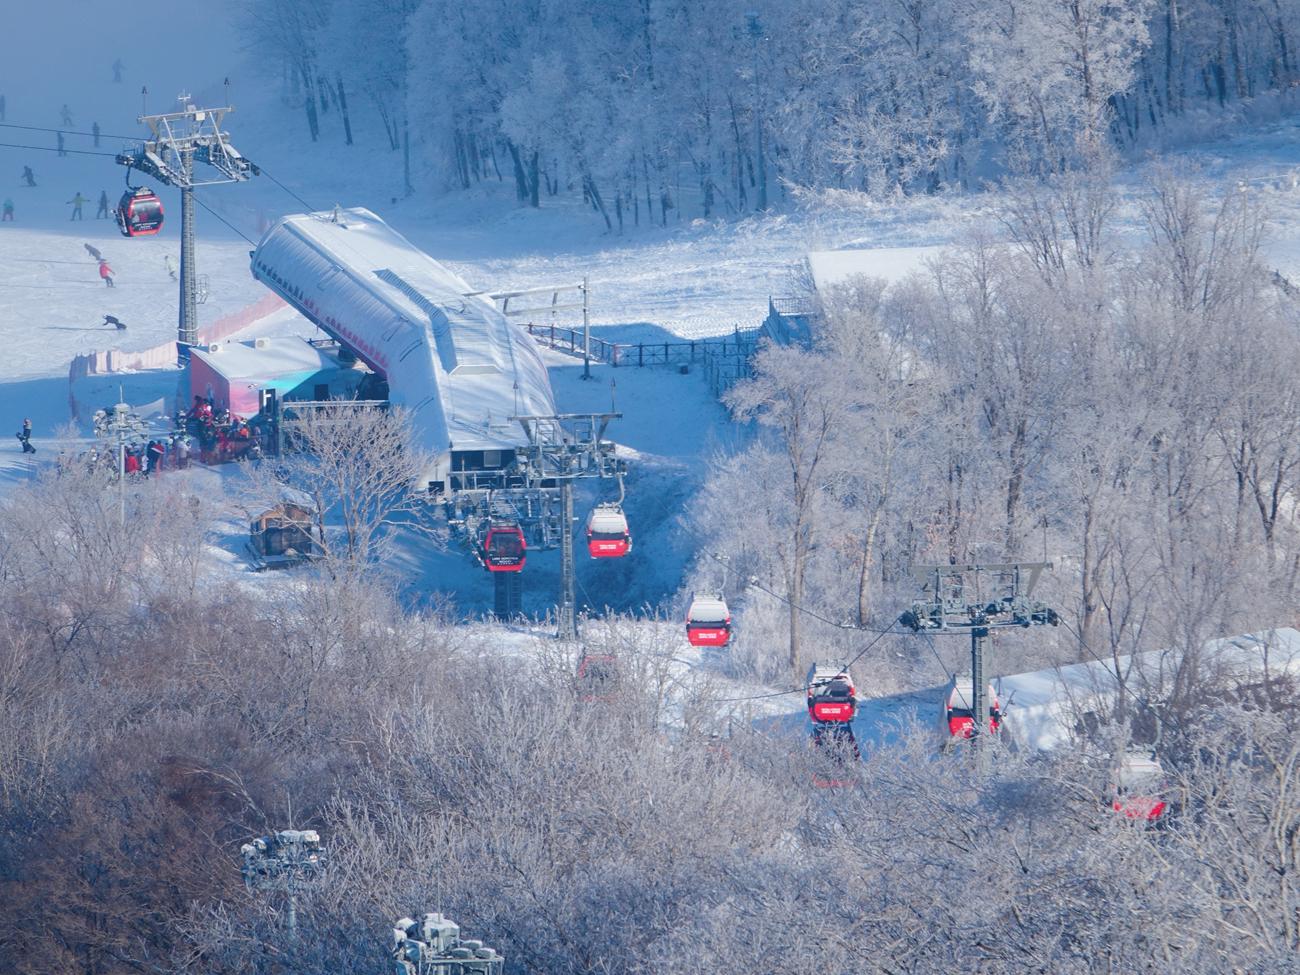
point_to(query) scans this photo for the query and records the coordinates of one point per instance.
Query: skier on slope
(65, 115)
(8, 210)
(93, 251)
(105, 273)
(170, 265)
(78, 201)
(28, 177)
(116, 322)
(118, 68)
(102, 212)
(62, 151)
(25, 437)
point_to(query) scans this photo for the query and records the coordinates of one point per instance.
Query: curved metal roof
(452, 362)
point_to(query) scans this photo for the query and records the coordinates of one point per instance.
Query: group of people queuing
(222, 436)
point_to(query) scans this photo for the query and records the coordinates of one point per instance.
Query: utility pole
(120, 427)
(177, 140)
(954, 601)
(756, 35)
(586, 333)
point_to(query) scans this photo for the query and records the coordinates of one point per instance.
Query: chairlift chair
(1138, 789)
(139, 213)
(958, 720)
(832, 697)
(708, 621)
(607, 533)
(503, 548)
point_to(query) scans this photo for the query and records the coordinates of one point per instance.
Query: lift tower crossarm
(951, 604)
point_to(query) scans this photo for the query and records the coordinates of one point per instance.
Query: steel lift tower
(561, 449)
(177, 141)
(978, 598)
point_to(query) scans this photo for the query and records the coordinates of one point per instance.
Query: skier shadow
(78, 328)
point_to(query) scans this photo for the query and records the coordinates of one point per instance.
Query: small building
(282, 536)
(233, 374)
(792, 320)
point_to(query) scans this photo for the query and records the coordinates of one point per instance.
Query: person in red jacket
(106, 272)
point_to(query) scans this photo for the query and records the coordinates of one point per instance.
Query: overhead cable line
(61, 152)
(880, 635)
(88, 135)
(263, 172)
(223, 220)
(817, 616)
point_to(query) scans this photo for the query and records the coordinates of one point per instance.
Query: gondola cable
(88, 135)
(62, 152)
(262, 172)
(223, 220)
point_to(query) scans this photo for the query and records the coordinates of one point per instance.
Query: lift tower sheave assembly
(978, 598)
(177, 141)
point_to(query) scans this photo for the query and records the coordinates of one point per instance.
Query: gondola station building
(233, 375)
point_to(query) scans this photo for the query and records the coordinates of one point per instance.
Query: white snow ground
(688, 280)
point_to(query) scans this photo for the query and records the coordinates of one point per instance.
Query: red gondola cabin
(139, 213)
(958, 720)
(831, 695)
(607, 533)
(708, 622)
(1137, 791)
(504, 549)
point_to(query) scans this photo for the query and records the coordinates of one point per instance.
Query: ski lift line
(222, 219)
(65, 152)
(929, 642)
(805, 688)
(88, 135)
(818, 616)
(1106, 666)
(310, 208)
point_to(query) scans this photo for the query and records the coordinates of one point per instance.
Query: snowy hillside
(1051, 257)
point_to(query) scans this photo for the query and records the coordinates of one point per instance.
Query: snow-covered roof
(264, 360)
(890, 263)
(707, 609)
(452, 362)
(1043, 705)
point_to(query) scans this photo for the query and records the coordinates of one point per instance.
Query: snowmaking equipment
(433, 946)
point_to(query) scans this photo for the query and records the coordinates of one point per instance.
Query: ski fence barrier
(163, 356)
